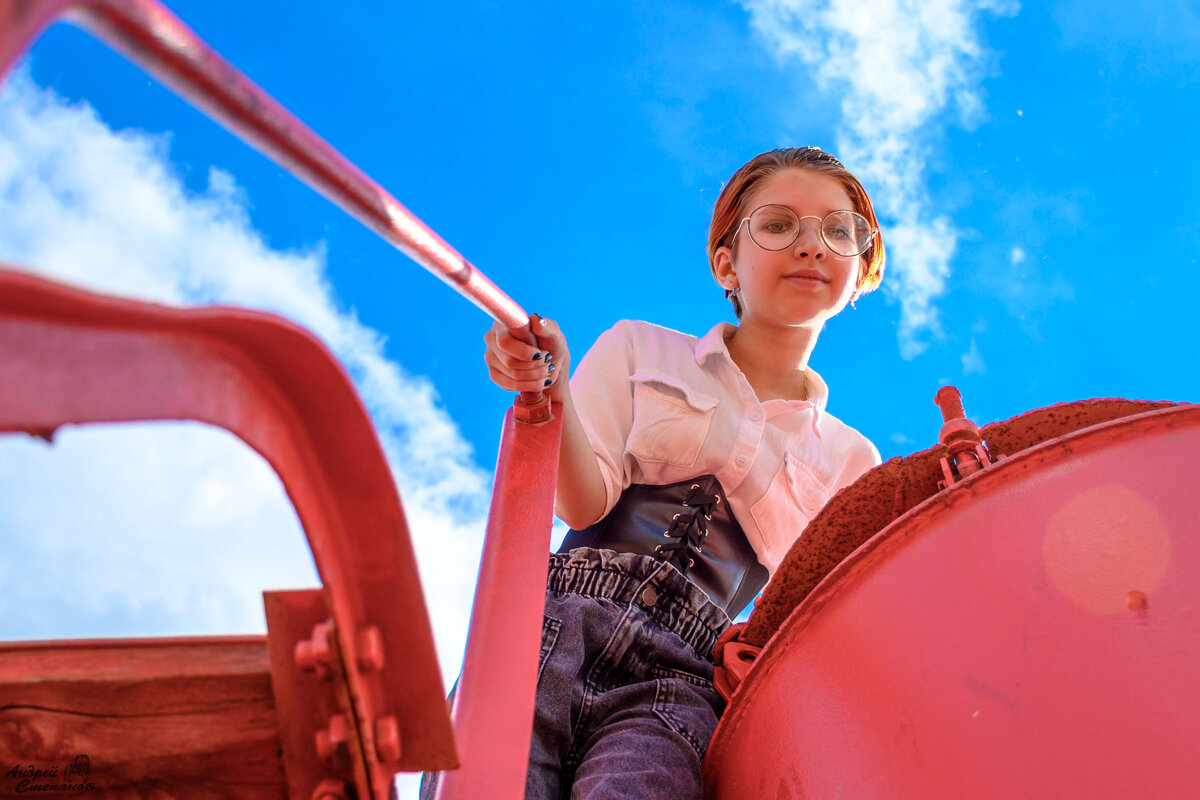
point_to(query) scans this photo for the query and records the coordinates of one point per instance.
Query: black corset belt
(689, 524)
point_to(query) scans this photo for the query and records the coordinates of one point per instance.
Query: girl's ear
(722, 268)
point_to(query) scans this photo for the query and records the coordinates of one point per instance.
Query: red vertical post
(493, 707)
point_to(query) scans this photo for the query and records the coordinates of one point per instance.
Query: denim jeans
(625, 703)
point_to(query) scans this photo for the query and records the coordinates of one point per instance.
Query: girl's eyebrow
(796, 211)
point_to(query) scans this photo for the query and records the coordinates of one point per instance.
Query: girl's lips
(807, 277)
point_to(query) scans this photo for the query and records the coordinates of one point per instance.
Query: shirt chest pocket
(795, 488)
(670, 419)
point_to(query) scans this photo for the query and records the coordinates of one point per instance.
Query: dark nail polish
(537, 356)
(552, 368)
(548, 382)
(549, 357)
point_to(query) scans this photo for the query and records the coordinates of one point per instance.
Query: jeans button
(649, 596)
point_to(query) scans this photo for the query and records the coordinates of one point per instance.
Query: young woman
(688, 467)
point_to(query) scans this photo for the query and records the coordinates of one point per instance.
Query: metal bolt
(949, 401)
(312, 655)
(330, 789)
(370, 649)
(333, 737)
(533, 412)
(387, 739)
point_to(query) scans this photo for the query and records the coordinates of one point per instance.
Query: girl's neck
(773, 360)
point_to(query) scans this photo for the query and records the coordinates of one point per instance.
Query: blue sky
(1034, 166)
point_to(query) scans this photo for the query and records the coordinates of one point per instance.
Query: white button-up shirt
(661, 406)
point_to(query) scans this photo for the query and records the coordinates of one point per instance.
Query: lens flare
(1106, 545)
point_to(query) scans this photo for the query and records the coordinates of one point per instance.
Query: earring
(733, 291)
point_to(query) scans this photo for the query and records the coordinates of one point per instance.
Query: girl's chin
(809, 321)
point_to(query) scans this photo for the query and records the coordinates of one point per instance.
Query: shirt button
(741, 461)
(756, 416)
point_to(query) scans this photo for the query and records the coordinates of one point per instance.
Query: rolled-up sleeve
(603, 397)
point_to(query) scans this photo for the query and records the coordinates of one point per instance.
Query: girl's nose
(809, 243)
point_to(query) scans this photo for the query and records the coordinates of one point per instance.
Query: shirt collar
(816, 389)
(713, 343)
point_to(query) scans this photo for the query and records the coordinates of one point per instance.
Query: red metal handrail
(154, 38)
(506, 621)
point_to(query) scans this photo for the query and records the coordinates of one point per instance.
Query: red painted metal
(330, 790)
(1032, 631)
(732, 660)
(895, 487)
(138, 341)
(154, 38)
(493, 704)
(879, 498)
(967, 454)
(158, 41)
(313, 654)
(309, 697)
(71, 356)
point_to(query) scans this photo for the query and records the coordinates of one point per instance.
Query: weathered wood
(189, 718)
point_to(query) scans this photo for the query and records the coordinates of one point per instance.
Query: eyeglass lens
(777, 227)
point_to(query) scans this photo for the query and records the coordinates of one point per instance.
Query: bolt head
(330, 789)
(313, 654)
(303, 654)
(370, 649)
(331, 738)
(387, 739)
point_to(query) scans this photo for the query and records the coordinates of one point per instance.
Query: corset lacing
(689, 528)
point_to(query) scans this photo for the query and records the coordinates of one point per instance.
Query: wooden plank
(182, 718)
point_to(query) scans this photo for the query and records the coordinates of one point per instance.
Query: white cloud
(972, 361)
(177, 528)
(1017, 256)
(900, 66)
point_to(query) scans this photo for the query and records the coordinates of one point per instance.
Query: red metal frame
(493, 704)
(163, 363)
(71, 356)
(1028, 632)
(151, 36)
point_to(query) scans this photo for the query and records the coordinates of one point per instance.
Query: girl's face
(804, 284)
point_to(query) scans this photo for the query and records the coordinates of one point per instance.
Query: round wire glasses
(774, 227)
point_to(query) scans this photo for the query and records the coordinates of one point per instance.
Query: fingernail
(549, 357)
(548, 382)
(552, 368)
(538, 356)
